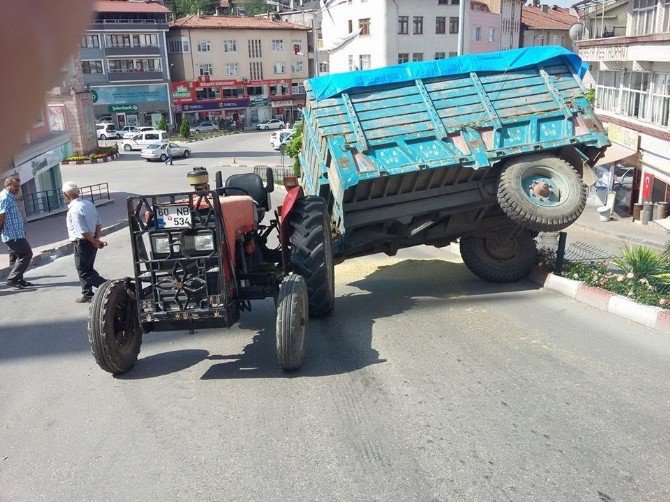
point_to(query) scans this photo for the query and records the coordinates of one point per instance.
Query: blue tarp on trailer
(332, 85)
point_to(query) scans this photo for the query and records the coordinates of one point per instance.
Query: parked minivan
(106, 131)
(144, 139)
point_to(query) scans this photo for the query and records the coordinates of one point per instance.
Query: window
(205, 69)
(442, 2)
(418, 25)
(440, 55)
(277, 46)
(255, 90)
(364, 25)
(279, 68)
(297, 67)
(296, 44)
(350, 25)
(666, 17)
(660, 99)
(492, 34)
(230, 46)
(453, 25)
(204, 46)
(89, 67)
(232, 69)
(177, 45)
(403, 57)
(207, 93)
(417, 56)
(607, 90)
(635, 94)
(452, 54)
(136, 65)
(440, 25)
(90, 41)
(297, 88)
(255, 49)
(323, 68)
(280, 90)
(144, 40)
(477, 34)
(364, 62)
(352, 67)
(539, 40)
(456, 2)
(117, 40)
(256, 70)
(403, 25)
(644, 16)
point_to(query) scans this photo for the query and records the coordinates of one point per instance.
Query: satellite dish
(576, 32)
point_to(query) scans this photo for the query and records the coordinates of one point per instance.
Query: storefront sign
(114, 95)
(623, 136)
(123, 108)
(258, 101)
(608, 52)
(37, 165)
(286, 102)
(212, 105)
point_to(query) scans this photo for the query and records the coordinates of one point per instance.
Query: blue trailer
(490, 149)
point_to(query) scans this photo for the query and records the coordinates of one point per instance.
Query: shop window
(234, 92)
(255, 90)
(280, 90)
(207, 93)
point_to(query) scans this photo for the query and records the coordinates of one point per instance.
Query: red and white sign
(647, 182)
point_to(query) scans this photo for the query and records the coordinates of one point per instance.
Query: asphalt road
(424, 384)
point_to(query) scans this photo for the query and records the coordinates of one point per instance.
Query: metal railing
(278, 172)
(48, 201)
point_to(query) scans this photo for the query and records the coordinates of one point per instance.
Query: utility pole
(461, 27)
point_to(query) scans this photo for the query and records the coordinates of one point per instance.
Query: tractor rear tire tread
(292, 315)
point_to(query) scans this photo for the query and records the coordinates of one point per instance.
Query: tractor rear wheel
(114, 333)
(292, 315)
(500, 256)
(541, 192)
(312, 254)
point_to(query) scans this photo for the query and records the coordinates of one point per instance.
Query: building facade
(124, 63)
(241, 70)
(547, 25)
(485, 28)
(630, 74)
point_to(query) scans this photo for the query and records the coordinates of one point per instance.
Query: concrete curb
(654, 317)
(62, 248)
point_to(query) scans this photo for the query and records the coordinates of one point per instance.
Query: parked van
(144, 139)
(106, 131)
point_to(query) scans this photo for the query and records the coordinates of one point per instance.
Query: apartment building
(124, 62)
(547, 25)
(237, 69)
(510, 21)
(485, 28)
(627, 45)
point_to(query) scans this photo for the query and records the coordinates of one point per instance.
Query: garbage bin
(637, 211)
(647, 212)
(662, 210)
(654, 212)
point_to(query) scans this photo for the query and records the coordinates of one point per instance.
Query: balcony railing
(605, 32)
(48, 201)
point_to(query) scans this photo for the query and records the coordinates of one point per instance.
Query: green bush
(293, 149)
(590, 96)
(644, 263)
(162, 124)
(184, 129)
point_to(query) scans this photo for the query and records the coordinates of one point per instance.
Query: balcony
(133, 51)
(132, 75)
(129, 24)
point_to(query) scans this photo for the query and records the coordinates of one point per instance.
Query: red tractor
(201, 257)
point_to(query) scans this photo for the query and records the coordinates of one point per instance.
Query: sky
(560, 3)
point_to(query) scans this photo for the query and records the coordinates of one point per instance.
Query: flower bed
(101, 154)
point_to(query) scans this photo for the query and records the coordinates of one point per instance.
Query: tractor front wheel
(114, 333)
(312, 254)
(500, 256)
(292, 314)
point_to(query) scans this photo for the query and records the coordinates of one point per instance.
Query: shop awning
(614, 153)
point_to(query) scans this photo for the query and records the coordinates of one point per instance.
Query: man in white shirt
(83, 228)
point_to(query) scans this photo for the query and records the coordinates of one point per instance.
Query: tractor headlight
(203, 242)
(160, 243)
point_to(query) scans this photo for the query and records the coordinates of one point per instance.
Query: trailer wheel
(312, 254)
(541, 193)
(500, 256)
(292, 314)
(114, 333)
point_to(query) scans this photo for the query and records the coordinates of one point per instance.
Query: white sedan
(157, 151)
(271, 124)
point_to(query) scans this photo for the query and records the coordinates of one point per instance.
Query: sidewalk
(48, 236)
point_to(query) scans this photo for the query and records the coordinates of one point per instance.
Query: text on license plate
(173, 216)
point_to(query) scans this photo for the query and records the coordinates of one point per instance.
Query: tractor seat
(252, 184)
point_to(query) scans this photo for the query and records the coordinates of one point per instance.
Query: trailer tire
(500, 256)
(564, 204)
(114, 333)
(312, 254)
(292, 315)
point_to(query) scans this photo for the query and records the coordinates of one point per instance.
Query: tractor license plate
(173, 217)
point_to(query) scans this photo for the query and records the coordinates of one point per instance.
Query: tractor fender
(284, 229)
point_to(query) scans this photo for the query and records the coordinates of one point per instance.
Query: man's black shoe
(15, 284)
(25, 284)
(84, 299)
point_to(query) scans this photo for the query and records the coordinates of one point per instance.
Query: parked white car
(282, 137)
(144, 139)
(271, 124)
(106, 131)
(130, 131)
(204, 126)
(157, 151)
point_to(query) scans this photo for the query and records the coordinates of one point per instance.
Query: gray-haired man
(14, 234)
(83, 228)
